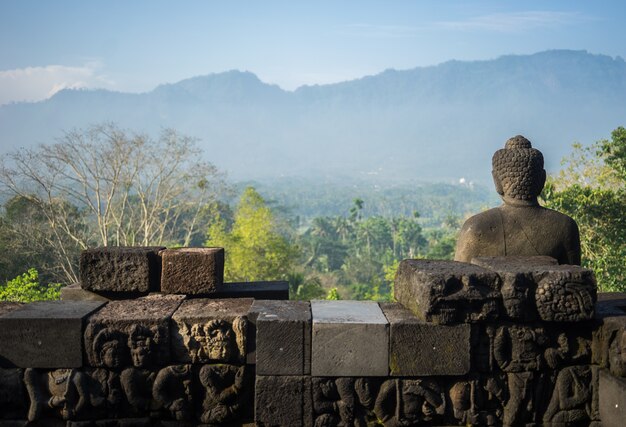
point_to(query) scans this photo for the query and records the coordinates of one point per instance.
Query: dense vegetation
(105, 186)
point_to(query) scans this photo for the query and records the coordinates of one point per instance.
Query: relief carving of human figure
(520, 226)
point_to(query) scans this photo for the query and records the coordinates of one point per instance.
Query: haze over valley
(438, 123)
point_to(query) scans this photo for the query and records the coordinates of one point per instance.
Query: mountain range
(440, 122)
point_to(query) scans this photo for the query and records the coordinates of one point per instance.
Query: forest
(330, 238)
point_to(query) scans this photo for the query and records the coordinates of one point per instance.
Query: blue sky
(135, 45)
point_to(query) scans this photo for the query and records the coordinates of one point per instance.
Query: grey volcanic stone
(74, 292)
(498, 263)
(350, 338)
(283, 337)
(211, 330)
(268, 290)
(283, 401)
(121, 269)
(9, 306)
(192, 270)
(446, 292)
(417, 348)
(131, 332)
(612, 400)
(45, 334)
(537, 288)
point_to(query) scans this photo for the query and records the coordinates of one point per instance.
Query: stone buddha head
(518, 171)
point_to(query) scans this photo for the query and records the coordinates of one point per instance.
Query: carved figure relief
(137, 385)
(172, 391)
(617, 352)
(517, 296)
(225, 392)
(109, 347)
(478, 401)
(572, 401)
(216, 340)
(410, 402)
(53, 394)
(141, 342)
(565, 300)
(344, 401)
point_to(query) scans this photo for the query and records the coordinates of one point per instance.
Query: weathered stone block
(283, 337)
(8, 306)
(282, 401)
(611, 345)
(211, 330)
(498, 263)
(612, 400)
(131, 332)
(192, 270)
(75, 293)
(418, 348)
(350, 338)
(565, 293)
(537, 288)
(45, 334)
(446, 292)
(121, 269)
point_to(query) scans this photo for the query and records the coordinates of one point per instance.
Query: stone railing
(155, 337)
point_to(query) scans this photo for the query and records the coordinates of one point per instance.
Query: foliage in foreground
(592, 190)
(26, 288)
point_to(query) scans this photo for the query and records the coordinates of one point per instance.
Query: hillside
(429, 123)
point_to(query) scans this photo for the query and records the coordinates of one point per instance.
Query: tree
(104, 186)
(26, 288)
(255, 247)
(591, 188)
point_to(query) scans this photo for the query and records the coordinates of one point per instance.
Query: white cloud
(515, 21)
(39, 83)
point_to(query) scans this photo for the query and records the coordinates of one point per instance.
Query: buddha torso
(523, 230)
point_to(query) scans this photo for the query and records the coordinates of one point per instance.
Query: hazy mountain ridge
(435, 122)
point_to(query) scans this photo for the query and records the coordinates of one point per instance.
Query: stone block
(121, 269)
(282, 401)
(283, 337)
(269, 290)
(74, 292)
(8, 306)
(536, 288)
(612, 400)
(45, 334)
(192, 271)
(131, 332)
(447, 292)
(211, 330)
(349, 338)
(610, 343)
(497, 263)
(418, 348)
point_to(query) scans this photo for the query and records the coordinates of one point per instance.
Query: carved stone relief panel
(569, 296)
(206, 330)
(131, 333)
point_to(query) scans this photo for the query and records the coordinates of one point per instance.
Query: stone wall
(155, 337)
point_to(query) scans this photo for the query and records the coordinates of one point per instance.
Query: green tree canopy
(256, 249)
(591, 188)
(26, 288)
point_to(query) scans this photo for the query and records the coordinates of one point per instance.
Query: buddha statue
(520, 226)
